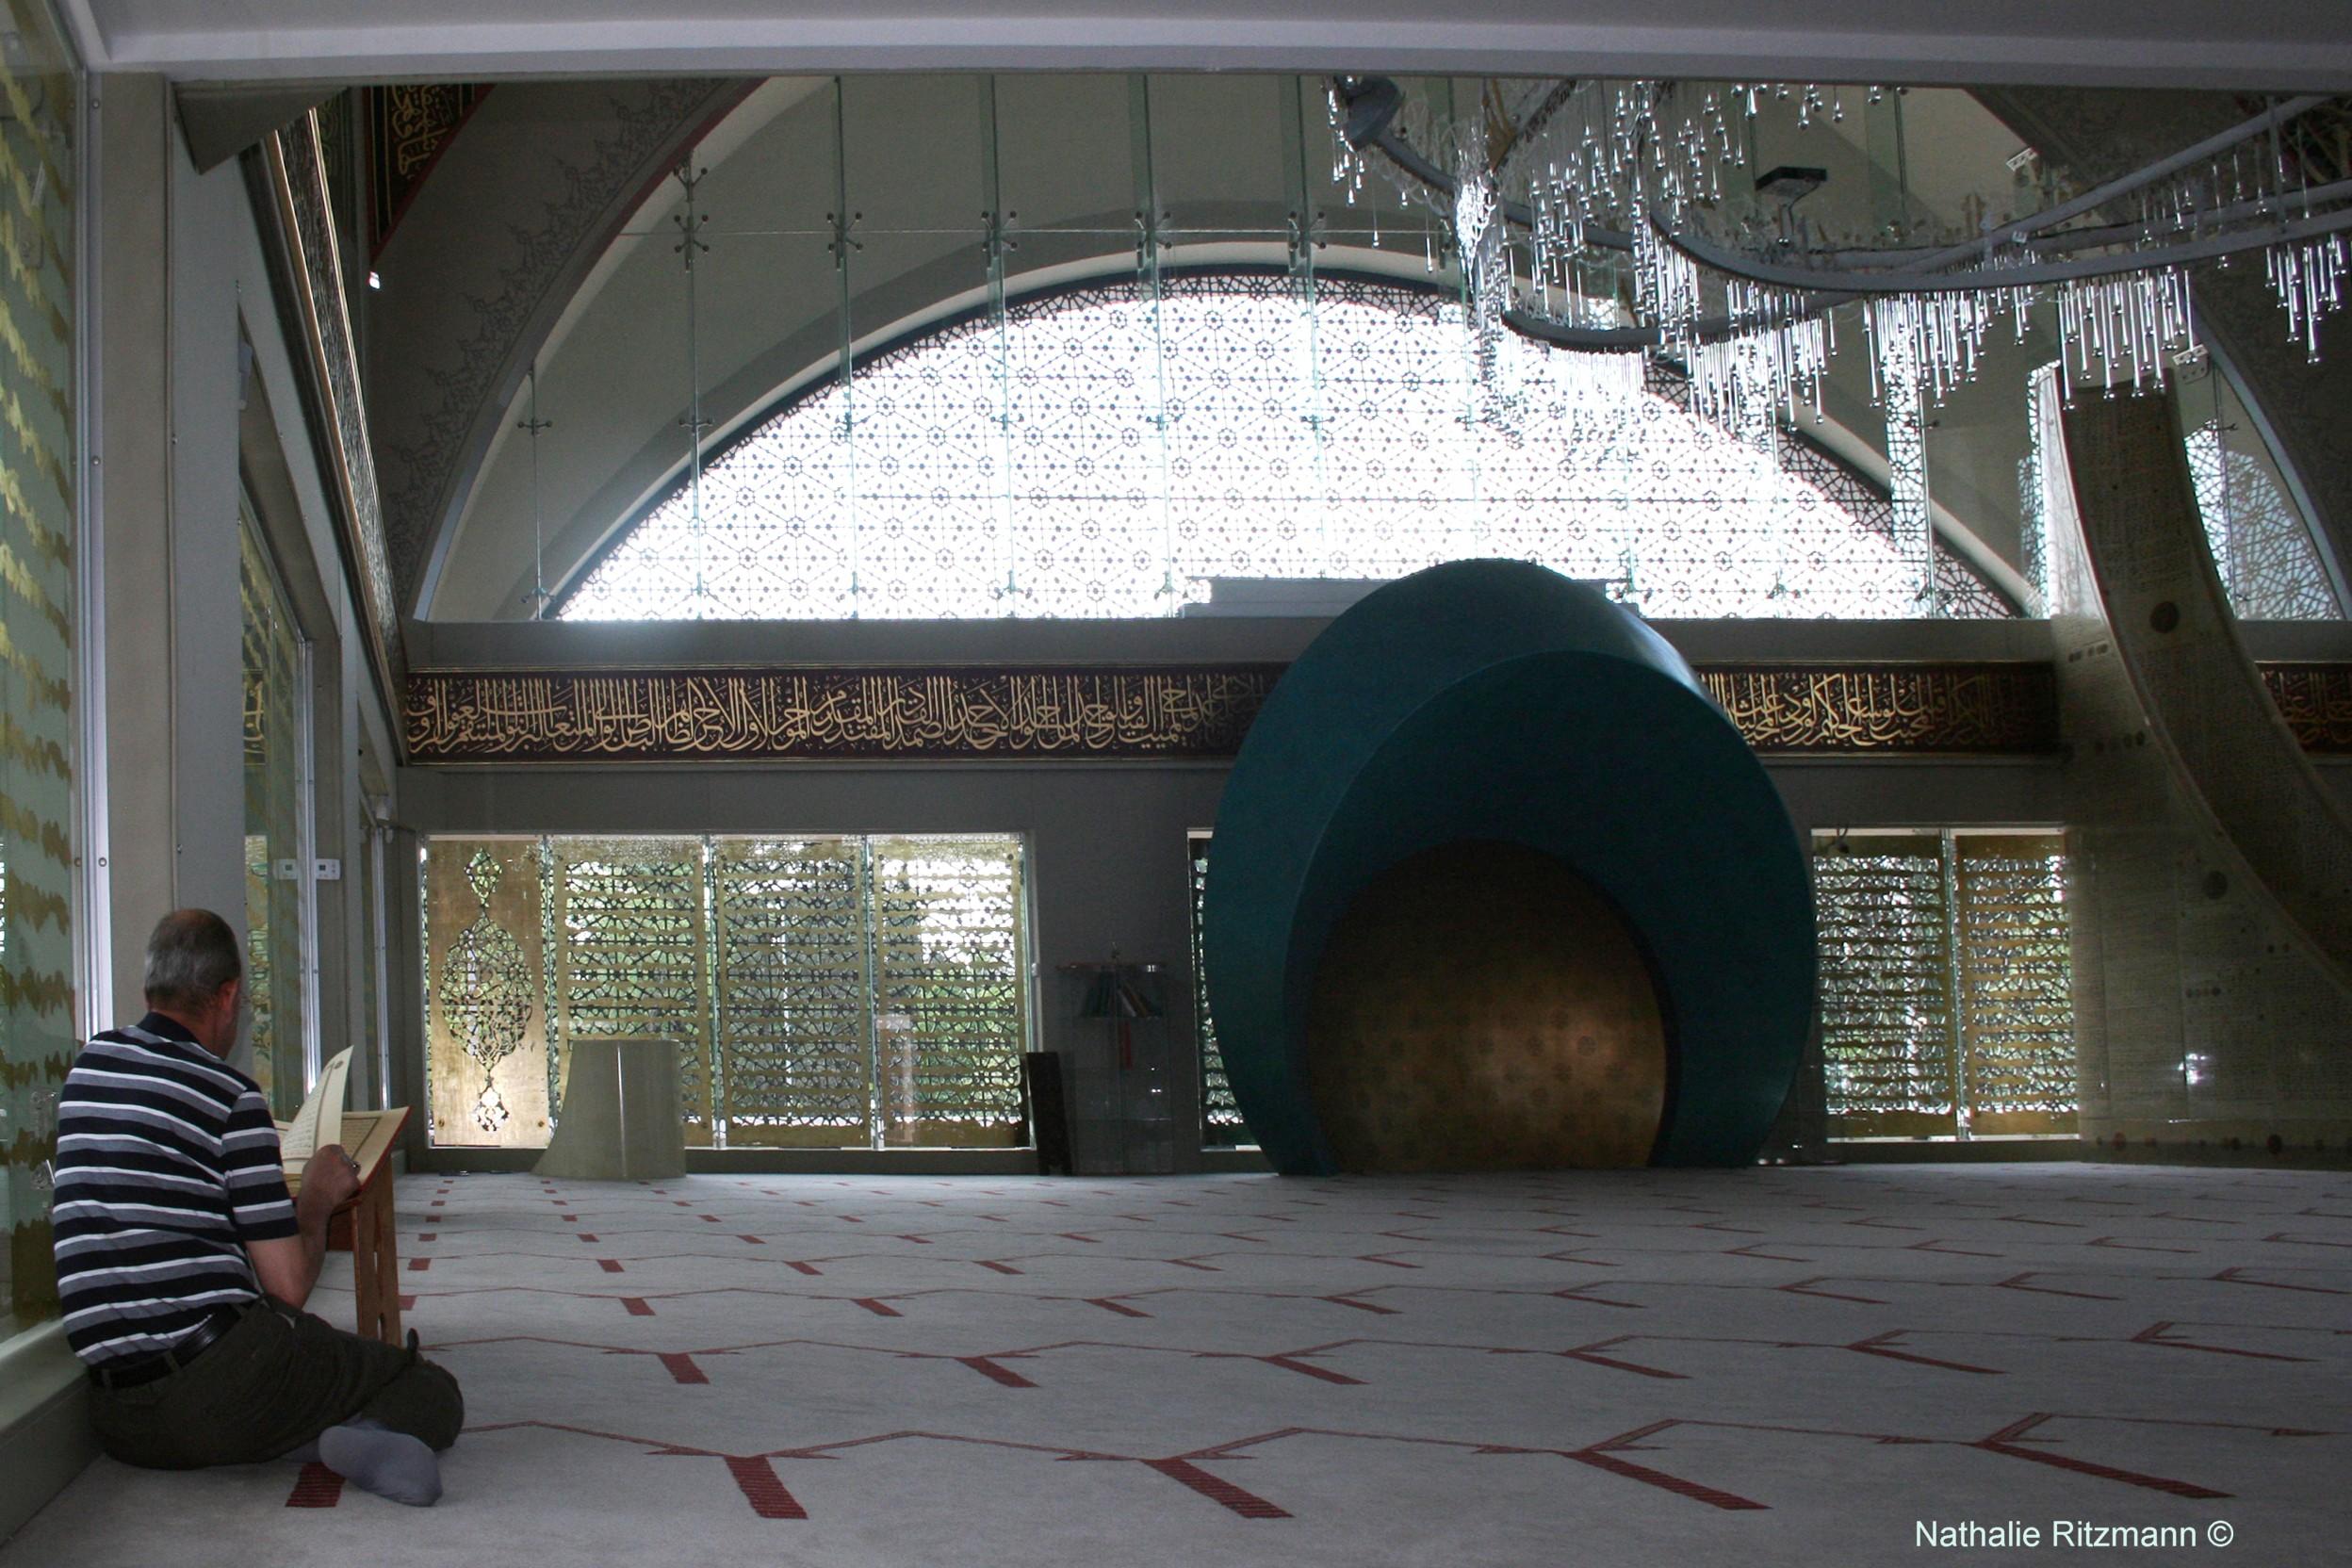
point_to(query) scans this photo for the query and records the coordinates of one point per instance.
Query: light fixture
(1623, 182)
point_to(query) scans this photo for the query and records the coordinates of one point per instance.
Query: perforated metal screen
(822, 991)
(1945, 985)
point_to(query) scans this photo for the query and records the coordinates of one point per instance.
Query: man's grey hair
(192, 954)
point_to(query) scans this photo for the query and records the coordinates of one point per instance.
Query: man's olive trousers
(270, 1385)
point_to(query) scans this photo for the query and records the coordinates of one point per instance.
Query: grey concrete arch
(496, 244)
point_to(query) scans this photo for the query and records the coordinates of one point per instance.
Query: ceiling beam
(2253, 45)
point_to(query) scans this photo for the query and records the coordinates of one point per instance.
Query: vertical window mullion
(306, 852)
(1954, 1034)
(868, 916)
(551, 949)
(713, 998)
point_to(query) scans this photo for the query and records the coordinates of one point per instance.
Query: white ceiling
(2282, 44)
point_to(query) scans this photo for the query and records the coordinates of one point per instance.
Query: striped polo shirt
(166, 1164)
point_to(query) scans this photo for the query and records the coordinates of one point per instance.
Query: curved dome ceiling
(916, 162)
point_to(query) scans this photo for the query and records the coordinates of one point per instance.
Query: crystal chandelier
(1614, 195)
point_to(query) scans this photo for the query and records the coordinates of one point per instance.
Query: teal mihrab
(1497, 701)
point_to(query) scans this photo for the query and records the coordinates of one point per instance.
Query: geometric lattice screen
(1106, 450)
(1945, 985)
(824, 992)
(2262, 544)
(1221, 1126)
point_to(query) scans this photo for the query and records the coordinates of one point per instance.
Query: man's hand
(288, 1267)
(334, 1173)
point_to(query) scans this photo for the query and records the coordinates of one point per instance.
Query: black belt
(131, 1371)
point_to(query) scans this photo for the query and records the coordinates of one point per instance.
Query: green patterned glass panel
(40, 585)
(630, 956)
(794, 1049)
(1885, 932)
(2017, 983)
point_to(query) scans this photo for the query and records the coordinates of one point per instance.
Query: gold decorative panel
(486, 994)
(1482, 1007)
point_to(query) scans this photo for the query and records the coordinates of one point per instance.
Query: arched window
(1101, 453)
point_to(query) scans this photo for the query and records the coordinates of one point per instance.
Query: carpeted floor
(1750, 1367)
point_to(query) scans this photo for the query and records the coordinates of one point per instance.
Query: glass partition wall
(40, 146)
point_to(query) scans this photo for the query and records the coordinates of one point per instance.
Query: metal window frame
(305, 742)
(378, 838)
(93, 883)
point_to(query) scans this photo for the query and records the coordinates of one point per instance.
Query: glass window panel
(630, 955)
(794, 1044)
(276, 703)
(1087, 457)
(371, 993)
(950, 989)
(1211, 132)
(1064, 168)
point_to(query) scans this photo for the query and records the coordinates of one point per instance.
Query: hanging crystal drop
(2307, 277)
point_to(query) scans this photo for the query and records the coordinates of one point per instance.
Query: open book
(319, 1121)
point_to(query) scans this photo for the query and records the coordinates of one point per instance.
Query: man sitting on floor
(183, 1265)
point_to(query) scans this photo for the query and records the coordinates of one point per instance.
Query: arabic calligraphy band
(1192, 713)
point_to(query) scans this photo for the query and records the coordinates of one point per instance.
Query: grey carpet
(1752, 1367)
